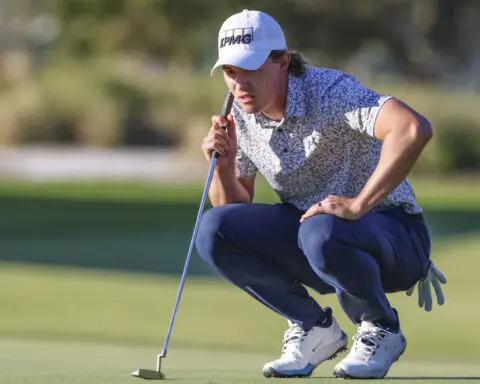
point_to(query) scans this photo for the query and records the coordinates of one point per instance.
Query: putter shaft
(158, 375)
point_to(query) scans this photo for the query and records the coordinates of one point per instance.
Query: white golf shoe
(373, 352)
(303, 351)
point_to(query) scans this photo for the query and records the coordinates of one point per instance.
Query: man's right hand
(221, 138)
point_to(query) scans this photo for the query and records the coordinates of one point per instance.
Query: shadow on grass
(135, 236)
(447, 223)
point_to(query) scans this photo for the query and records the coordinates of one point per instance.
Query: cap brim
(242, 58)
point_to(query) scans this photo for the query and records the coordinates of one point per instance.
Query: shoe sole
(271, 373)
(341, 374)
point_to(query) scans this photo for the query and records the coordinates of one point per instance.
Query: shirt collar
(295, 105)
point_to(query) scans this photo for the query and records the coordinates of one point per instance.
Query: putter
(150, 374)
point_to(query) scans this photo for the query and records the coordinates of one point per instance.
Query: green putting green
(87, 324)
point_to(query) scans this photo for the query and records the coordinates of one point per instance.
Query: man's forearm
(226, 188)
(400, 151)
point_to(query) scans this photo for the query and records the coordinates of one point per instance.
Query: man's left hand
(343, 207)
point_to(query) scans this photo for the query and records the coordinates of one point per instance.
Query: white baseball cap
(246, 39)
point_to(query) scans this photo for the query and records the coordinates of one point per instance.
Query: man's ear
(285, 61)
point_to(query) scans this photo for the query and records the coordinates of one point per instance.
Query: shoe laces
(367, 341)
(292, 338)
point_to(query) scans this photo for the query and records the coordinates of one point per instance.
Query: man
(337, 154)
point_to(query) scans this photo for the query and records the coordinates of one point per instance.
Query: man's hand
(343, 207)
(434, 277)
(221, 138)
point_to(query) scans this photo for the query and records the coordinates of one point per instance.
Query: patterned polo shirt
(324, 145)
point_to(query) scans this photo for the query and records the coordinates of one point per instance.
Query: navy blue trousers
(266, 251)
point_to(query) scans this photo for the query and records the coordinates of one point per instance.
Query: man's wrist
(225, 171)
(359, 206)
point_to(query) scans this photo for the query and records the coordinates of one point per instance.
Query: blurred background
(103, 105)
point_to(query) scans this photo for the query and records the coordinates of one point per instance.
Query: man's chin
(249, 108)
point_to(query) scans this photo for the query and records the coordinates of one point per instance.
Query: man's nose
(242, 80)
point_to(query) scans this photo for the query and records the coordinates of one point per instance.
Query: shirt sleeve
(349, 102)
(244, 166)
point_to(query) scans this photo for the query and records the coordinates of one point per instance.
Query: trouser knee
(322, 240)
(209, 234)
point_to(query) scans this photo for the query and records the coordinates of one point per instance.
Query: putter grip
(227, 106)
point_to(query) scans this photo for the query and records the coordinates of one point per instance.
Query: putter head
(148, 374)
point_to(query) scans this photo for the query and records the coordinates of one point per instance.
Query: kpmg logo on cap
(236, 36)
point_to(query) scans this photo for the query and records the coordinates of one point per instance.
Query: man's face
(255, 91)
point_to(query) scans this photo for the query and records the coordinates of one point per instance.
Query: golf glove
(434, 277)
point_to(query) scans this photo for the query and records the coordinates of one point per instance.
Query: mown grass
(431, 192)
(76, 304)
(79, 325)
(61, 325)
(69, 363)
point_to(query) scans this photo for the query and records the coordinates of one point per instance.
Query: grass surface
(432, 193)
(79, 325)
(39, 302)
(76, 326)
(148, 227)
(24, 362)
